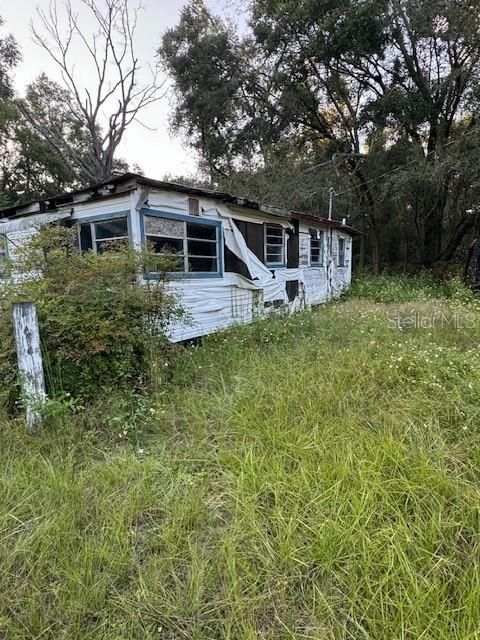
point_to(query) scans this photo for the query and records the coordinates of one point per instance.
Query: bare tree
(115, 97)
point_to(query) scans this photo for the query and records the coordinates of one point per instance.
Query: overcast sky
(157, 152)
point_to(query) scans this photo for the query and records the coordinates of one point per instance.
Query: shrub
(101, 322)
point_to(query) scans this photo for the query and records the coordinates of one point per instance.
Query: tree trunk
(432, 241)
(361, 254)
(458, 235)
(375, 244)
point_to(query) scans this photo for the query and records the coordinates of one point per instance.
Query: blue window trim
(185, 275)
(102, 217)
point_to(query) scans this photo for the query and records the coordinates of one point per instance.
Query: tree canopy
(377, 97)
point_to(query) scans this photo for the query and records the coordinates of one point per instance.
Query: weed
(306, 477)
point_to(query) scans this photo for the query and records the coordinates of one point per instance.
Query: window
(274, 245)
(98, 236)
(3, 255)
(316, 247)
(196, 243)
(341, 252)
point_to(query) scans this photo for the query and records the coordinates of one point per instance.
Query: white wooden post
(29, 357)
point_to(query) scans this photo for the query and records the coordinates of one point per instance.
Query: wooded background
(376, 98)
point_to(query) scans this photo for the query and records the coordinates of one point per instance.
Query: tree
(387, 89)
(102, 111)
(202, 55)
(9, 57)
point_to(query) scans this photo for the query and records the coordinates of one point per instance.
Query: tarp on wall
(29, 222)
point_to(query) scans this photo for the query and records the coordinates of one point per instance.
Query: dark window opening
(341, 252)
(293, 246)
(197, 244)
(233, 264)
(292, 289)
(99, 236)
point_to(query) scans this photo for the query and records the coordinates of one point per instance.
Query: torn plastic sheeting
(203, 304)
(236, 243)
(23, 224)
(259, 217)
(210, 285)
(287, 275)
(275, 290)
(317, 293)
(212, 296)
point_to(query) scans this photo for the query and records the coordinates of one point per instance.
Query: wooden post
(29, 357)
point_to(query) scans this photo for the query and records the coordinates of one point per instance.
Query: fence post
(29, 357)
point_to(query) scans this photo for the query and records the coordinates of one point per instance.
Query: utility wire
(387, 173)
(318, 166)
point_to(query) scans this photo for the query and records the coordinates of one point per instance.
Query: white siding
(219, 302)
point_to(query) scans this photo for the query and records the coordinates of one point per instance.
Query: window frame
(341, 262)
(186, 218)
(103, 217)
(274, 265)
(321, 247)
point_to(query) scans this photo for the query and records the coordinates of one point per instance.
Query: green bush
(99, 328)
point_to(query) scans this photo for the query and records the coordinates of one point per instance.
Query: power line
(318, 166)
(387, 173)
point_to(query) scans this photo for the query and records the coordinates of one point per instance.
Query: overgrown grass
(310, 477)
(399, 288)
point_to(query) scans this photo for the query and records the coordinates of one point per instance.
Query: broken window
(316, 247)
(196, 243)
(3, 255)
(341, 252)
(99, 236)
(274, 245)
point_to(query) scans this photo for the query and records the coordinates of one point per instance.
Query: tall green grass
(399, 288)
(306, 477)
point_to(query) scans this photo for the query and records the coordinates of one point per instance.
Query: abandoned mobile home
(239, 259)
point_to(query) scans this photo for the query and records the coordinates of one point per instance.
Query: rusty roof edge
(64, 199)
(336, 224)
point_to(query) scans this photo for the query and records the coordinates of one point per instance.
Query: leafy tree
(9, 57)
(388, 89)
(205, 58)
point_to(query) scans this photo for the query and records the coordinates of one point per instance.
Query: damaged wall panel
(244, 287)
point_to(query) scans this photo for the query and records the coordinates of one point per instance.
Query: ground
(310, 477)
